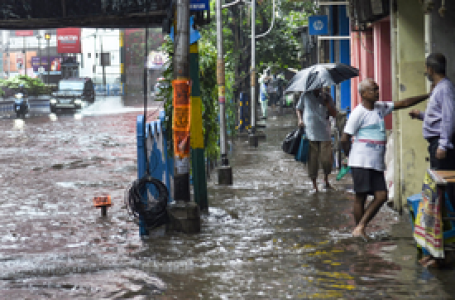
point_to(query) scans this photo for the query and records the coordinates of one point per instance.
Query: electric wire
(138, 203)
(146, 198)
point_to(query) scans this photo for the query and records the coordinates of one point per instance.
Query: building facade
(390, 40)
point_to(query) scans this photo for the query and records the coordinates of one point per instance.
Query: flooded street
(266, 237)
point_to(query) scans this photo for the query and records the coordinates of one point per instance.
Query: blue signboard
(318, 25)
(199, 4)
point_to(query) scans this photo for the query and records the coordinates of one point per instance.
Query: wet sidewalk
(279, 241)
(266, 237)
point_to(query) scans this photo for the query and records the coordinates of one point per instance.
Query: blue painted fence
(160, 165)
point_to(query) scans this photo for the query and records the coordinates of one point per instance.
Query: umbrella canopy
(320, 75)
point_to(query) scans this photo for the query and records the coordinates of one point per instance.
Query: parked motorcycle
(21, 105)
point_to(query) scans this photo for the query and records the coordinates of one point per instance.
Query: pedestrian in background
(313, 111)
(366, 158)
(272, 90)
(263, 96)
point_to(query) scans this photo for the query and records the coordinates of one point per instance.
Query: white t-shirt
(368, 129)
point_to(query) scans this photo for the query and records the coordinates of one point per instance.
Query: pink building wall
(382, 68)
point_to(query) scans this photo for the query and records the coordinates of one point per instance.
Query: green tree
(208, 85)
(34, 86)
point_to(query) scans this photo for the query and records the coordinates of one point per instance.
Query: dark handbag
(291, 143)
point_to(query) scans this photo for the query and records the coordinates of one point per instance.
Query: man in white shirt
(366, 156)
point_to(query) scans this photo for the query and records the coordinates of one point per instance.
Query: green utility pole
(197, 137)
(122, 62)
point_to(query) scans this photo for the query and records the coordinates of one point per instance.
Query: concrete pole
(182, 71)
(39, 53)
(25, 57)
(196, 132)
(103, 62)
(9, 57)
(184, 215)
(253, 138)
(225, 171)
(48, 60)
(122, 61)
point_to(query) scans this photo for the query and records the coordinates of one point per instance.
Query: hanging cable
(231, 4)
(147, 171)
(138, 203)
(271, 25)
(146, 198)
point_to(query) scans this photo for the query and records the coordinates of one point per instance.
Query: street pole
(253, 138)
(25, 56)
(225, 171)
(196, 133)
(94, 55)
(39, 54)
(182, 72)
(184, 215)
(48, 61)
(122, 61)
(103, 63)
(47, 36)
(9, 61)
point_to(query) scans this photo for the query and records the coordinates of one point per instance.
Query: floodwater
(265, 237)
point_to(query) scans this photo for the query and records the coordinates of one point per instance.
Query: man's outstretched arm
(405, 103)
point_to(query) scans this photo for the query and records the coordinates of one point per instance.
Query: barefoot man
(313, 111)
(366, 157)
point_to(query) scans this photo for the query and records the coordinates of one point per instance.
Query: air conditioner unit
(371, 10)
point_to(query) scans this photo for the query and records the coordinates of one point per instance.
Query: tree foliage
(34, 86)
(279, 49)
(208, 85)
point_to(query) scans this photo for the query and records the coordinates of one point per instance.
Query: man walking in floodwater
(366, 158)
(313, 111)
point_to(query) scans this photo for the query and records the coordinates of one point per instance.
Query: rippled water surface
(265, 237)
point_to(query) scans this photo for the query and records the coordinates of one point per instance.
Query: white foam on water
(108, 106)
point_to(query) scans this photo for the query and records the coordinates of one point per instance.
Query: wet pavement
(265, 237)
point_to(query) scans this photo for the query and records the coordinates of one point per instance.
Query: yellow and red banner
(181, 117)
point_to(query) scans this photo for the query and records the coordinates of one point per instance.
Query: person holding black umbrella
(313, 111)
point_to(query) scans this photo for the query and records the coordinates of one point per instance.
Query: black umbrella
(320, 75)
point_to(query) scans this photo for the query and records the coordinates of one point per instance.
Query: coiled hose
(153, 213)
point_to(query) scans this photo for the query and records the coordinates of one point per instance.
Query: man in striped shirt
(366, 157)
